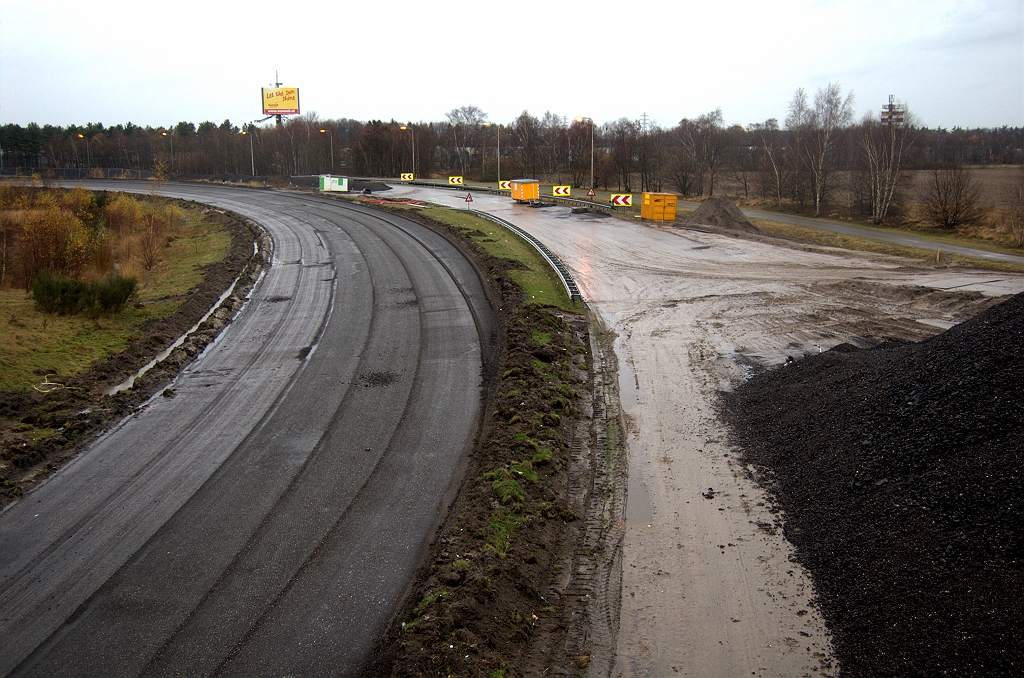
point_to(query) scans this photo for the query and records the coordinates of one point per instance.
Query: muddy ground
(709, 584)
(79, 409)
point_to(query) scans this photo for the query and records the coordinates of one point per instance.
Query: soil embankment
(899, 472)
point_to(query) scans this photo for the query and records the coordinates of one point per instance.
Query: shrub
(64, 296)
(114, 293)
(505, 487)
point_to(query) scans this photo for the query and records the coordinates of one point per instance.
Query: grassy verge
(35, 343)
(530, 271)
(850, 242)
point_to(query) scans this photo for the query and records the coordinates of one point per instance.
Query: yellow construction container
(525, 190)
(658, 206)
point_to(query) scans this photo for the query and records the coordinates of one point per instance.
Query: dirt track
(708, 585)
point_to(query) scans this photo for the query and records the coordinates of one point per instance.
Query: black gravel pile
(899, 469)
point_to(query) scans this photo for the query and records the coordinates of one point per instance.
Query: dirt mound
(720, 214)
(241, 179)
(899, 470)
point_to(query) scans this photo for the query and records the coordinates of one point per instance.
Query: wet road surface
(267, 519)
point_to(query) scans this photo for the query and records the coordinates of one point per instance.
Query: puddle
(629, 386)
(127, 383)
(639, 509)
(936, 322)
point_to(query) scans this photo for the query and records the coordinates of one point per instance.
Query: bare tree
(952, 198)
(818, 130)
(798, 125)
(651, 155)
(741, 159)
(706, 142)
(527, 138)
(768, 157)
(885, 147)
(1015, 206)
(464, 126)
(579, 151)
(624, 135)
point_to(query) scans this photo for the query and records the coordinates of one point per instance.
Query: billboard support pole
(277, 83)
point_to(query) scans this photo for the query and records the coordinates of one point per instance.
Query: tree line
(800, 160)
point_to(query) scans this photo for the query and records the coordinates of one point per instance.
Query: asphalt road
(268, 518)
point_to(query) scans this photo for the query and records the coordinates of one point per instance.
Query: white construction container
(329, 183)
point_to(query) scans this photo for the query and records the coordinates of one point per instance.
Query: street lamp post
(252, 158)
(412, 131)
(88, 158)
(331, 133)
(581, 118)
(172, 147)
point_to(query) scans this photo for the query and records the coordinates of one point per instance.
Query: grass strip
(527, 267)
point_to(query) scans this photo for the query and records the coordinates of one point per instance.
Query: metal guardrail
(576, 201)
(563, 273)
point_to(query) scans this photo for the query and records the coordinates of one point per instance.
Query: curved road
(267, 519)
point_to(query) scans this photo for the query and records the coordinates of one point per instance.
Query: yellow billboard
(280, 101)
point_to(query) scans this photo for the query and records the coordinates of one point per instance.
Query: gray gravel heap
(721, 214)
(899, 471)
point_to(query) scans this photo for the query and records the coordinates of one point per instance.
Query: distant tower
(894, 113)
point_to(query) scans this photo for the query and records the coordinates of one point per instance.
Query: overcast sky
(954, 63)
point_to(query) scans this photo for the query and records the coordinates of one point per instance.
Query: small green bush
(65, 296)
(114, 293)
(503, 524)
(525, 469)
(542, 457)
(60, 295)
